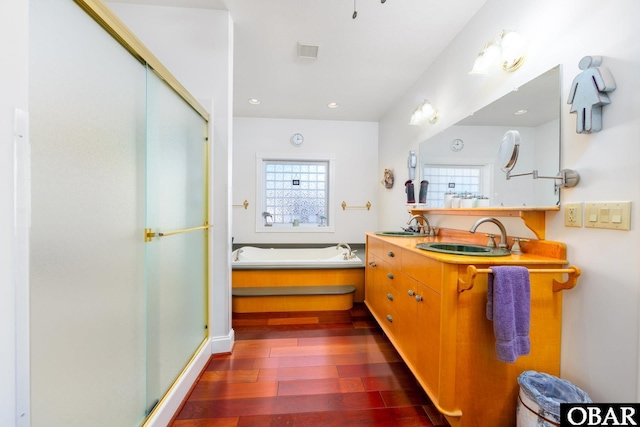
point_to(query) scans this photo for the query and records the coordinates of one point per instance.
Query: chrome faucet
(237, 256)
(426, 227)
(349, 254)
(268, 219)
(503, 231)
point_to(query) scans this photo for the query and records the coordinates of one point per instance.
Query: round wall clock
(297, 139)
(457, 144)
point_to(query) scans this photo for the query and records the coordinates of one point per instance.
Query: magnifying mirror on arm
(508, 151)
(508, 156)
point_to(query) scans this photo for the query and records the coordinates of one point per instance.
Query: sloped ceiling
(364, 64)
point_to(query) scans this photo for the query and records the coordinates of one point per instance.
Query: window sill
(289, 228)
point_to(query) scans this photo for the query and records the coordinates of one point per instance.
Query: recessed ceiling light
(333, 105)
(254, 101)
(520, 112)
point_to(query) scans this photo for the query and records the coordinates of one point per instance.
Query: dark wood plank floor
(308, 369)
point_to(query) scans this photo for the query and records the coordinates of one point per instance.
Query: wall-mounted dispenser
(412, 162)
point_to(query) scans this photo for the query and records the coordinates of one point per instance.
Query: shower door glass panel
(87, 306)
(175, 263)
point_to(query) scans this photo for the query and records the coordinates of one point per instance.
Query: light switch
(612, 215)
(616, 216)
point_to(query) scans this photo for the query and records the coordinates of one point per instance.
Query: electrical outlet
(573, 214)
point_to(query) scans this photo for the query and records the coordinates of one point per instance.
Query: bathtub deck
(292, 278)
(292, 298)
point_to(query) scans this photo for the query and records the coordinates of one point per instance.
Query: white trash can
(540, 397)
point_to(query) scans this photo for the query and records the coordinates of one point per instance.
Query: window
(295, 195)
(458, 179)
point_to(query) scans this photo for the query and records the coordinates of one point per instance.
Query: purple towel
(508, 305)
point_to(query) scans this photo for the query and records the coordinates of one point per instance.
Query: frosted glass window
(296, 190)
(450, 178)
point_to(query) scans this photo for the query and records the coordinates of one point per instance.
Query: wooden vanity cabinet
(444, 336)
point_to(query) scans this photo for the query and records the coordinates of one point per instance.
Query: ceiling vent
(308, 51)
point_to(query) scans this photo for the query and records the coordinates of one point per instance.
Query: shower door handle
(149, 234)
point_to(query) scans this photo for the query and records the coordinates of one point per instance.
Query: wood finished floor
(307, 369)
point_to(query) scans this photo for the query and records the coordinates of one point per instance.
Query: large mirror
(462, 161)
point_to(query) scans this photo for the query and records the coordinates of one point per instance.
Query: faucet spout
(503, 231)
(347, 255)
(426, 226)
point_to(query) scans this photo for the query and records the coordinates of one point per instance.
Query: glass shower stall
(118, 258)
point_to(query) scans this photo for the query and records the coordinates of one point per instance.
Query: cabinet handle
(390, 275)
(372, 264)
(411, 292)
(391, 254)
(418, 298)
(390, 297)
(389, 318)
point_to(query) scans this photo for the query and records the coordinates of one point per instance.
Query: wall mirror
(464, 159)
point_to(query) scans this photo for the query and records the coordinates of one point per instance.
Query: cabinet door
(428, 340)
(405, 304)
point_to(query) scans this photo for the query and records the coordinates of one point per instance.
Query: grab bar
(573, 272)
(149, 234)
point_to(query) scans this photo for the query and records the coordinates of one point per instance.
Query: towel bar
(245, 204)
(367, 206)
(572, 280)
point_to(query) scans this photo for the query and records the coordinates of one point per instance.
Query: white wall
(600, 325)
(14, 376)
(353, 145)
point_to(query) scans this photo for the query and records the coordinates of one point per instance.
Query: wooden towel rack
(573, 272)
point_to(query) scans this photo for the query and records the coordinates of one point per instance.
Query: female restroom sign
(588, 94)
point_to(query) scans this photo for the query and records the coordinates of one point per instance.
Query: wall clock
(297, 139)
(457, 144)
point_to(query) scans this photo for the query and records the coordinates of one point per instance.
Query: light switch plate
(611, 215)
(573, 214)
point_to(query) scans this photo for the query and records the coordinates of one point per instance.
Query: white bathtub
(252, 258)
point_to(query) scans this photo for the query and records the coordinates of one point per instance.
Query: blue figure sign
(588, 94)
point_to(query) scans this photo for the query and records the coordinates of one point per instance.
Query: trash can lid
(549, 391)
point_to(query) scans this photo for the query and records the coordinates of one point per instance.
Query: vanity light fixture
(424, 113)
(504, 51)
(254, 101)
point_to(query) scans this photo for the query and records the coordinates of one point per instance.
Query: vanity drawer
(424, 269)
(392, 254)
(375, 246)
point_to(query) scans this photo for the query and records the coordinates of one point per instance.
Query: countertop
(536, 251)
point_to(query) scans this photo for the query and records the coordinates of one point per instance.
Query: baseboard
(167, 407)
(169, 404)
(223, 344)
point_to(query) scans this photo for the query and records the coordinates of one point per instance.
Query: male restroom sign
(599, 414)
